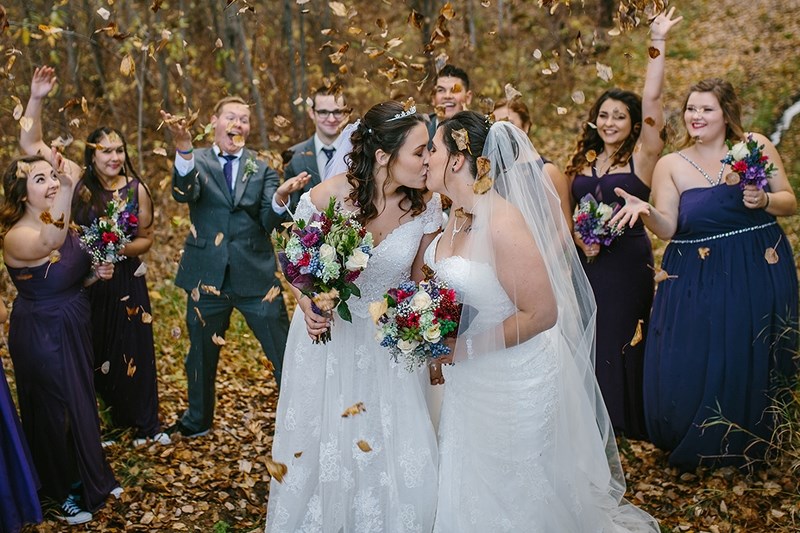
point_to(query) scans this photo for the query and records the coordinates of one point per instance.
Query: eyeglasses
(325, 113)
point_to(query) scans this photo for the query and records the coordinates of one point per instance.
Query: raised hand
(291, 185)
(43, 81)
(179, 128)
(663, 23)
(633, 209)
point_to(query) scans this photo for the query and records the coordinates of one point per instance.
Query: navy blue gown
(621, 276)
(125, 364)
(722, 333)
(50, 343)
(19, 503)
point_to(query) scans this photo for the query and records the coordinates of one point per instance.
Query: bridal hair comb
(409, 108)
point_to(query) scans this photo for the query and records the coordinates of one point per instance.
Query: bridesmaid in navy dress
(50, 339)
(19, 504)
(724, 326)
(619, 147)
(122, 331)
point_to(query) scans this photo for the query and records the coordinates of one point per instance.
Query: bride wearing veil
(525, 441)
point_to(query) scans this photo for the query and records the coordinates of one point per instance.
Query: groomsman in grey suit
(227, 259)
(450, 95)
(329, 112)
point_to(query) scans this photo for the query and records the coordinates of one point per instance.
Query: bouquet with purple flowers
(105, 238)
(414, 320)
(592, 222)
(323, 257)
(749, 164)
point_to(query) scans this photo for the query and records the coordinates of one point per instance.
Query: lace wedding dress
(519, 445)
(370, 472)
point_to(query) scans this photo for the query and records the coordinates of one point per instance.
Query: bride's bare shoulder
(336, 186)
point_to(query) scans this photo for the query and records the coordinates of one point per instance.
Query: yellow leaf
(338, 9)
(160, 151)
(218, 239)
(128, 66)
(271, 294)
(447, 11)
(281, 121)
(147, 318)
(363, 446)
(131, 368)
(354, 410)
(210, 289)
(703, 252)
(637, 335)
(26, 123)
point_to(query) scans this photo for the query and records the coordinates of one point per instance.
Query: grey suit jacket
(304, 159)
(232, 231)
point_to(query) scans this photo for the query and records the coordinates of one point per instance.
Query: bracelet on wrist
(185, 152)
(766, 205)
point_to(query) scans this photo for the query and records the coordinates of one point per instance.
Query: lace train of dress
(332, 485)
(519, 448)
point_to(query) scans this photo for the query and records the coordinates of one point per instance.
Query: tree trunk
(255, 94)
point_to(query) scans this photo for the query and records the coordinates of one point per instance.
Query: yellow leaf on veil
(484, 181)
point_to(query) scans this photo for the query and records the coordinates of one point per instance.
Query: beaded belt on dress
(723, 235)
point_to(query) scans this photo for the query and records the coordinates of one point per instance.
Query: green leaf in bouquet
(330, 211)
(354, 290)
(344, 311)
(345, 293)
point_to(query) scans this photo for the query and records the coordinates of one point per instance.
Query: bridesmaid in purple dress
(619, 146)
(723, 333)
(19, 504)
(49, 338)
(122, 334)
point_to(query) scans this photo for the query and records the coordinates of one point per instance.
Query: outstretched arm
(186, 183)
(662, 217)
(652, 109)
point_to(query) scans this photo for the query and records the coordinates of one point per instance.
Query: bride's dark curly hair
(15, 191)
(377, 131)
(590, 139)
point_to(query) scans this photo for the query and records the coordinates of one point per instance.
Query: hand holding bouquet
(749, 164)
(414, 320)
(592, 222)
(323, 257)
(105, 238)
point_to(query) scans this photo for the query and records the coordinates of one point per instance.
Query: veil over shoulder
(527, 420)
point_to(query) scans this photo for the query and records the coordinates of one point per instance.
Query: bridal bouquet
(105, 238)
(749, 164)
(591, 222)
(414, 319)
(323, 257)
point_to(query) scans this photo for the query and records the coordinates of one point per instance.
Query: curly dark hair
(14, 192)
(376, 131)
(477, 127)
(88, 197)
(590, 139)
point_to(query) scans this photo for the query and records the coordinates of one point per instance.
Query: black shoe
(178, 427)
(72, 514)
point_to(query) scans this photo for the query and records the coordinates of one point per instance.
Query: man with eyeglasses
(330, 113)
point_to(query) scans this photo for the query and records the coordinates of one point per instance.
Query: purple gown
(723, 332)
(125, 363)
(19, 503)
(621, 276)
(50, 344)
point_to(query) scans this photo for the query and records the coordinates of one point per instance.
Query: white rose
(316, 224)
(605, 212)
(407, 346)
(420, 301)
(357, 261)
(327, 253)
(739, 151)
(432, 334)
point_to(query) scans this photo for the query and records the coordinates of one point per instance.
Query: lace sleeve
(305, 207)
(432, 216)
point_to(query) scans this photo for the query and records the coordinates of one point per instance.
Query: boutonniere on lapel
(250, 168)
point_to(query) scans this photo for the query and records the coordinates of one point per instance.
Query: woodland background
(120, 61)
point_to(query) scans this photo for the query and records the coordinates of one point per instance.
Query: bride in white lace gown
(375, 471)
(525, 442)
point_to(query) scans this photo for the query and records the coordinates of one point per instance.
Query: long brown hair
(590, 140)
(15, 191)
(377, 131)
(729, 103)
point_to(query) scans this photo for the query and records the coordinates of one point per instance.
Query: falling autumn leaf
(26, 123)
(3, 20)
(578, 97)
(653, 52)
(733, 178)
(650, 121)
(18, 110)
(447, 11)
(131, 368)
(210, 289)
(218, 238)
(591, 156)
(127, 67)
(637, 335)
(461, 137)
(561, 110)
(297, 455)
(271, 294)
(281, 121)
(660, 275)
(415, 20)
(195, 294)
(363, 446)
(104, 13)
(200, 316)
(511, 92)
(703, 252)
(604, 72)
(147, 318)
(216, 339)
(483, 182)
(354, 410)
(771, 255)
(338, 9)
(276, 470)
(105, 367)
(46, 217)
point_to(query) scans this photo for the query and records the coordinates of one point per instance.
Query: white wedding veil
(586, 463)
(343, 146)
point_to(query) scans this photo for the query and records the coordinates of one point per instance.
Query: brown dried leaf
(3, 20)
(484, 181)
(17, 114)
(297, 455)
(147, 318)
(653, 52)
(216, 339)
(59, 224)
(511, 92)
(650, 121)
(271, 294)
(210, 289)
(591, 156)
(447, 11)
(661, 275)
(195, 294)
(131, 368)
(415, 19)
(637, 335)
(338, 9)
(604, 72)
(461, 137)
(276, 470)
(44, 216)
(281, 122)
(127, 67)
(703, 252)
(363, 446)
(354, 410)
(200, 316)
(218, 239)
(733, 178)
(771, 255)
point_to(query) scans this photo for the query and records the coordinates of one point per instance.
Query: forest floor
(219, 483)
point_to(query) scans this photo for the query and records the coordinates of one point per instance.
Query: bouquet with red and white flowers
(749, 164)
(108, 234)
